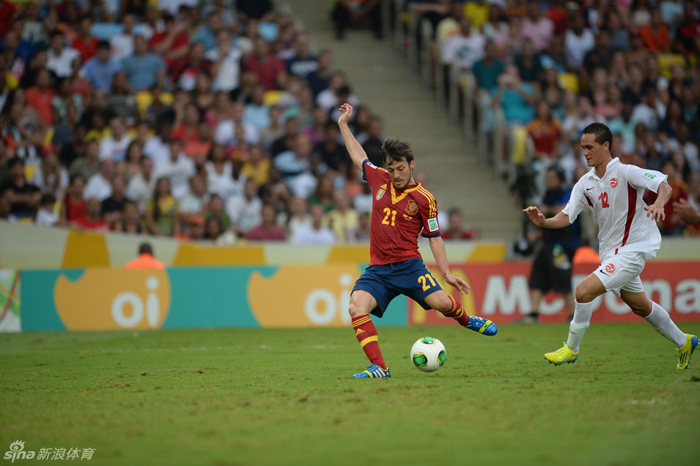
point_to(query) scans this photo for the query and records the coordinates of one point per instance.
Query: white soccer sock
(579, 324)
(662, 323)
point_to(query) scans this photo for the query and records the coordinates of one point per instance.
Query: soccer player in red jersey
(401, 210)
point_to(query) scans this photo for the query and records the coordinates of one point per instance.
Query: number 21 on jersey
(387, 214)
(604, 200)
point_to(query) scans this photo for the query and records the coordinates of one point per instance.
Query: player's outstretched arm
(656, 210)
(560, 220)
(357, 153)
(437, 246)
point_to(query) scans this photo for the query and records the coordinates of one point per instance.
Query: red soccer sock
(457, 313)
(366, 334)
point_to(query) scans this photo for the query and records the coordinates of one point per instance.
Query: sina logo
(17, 452)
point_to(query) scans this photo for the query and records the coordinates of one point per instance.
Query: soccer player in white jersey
(628, 235)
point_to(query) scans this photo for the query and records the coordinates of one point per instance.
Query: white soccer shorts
(621, 272)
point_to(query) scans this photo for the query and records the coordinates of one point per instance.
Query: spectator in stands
(515, 97)
(144, 69)
(296, 215)
(536, 27)
(333, 154)
(172, 43)
(207, 34)
(246, 211)
(39, 97)
(85, 43)
(655, 36)
(647, 111)
(92, 221)
(99, 185)
(269, 69)
(196, 200)
(682, 143)
(597, 57)
(346, 13)
(545, 133)
(578, 40)
(456, 230)
(114, 146)
(60, 57)
(372, 143)
(464, 49)
(140, 187)
(145, 260)
(303, 62)
(624, 125)
(316, 233)
(688, 30)
(49, 176)
(131, 220)
(23, 196)
(46, 215)
(122, 44)
(100, 69)
(274, 130)
(113, 206)
(267, 230)
(225, 61)
(177, 168)
(529, 63)
(73, 205)
(257, 167)
(488, 69)
(343, 219)
(318, 80)
(89, 164)
(256, 112)
(62, 100)
(188, 129)
(184, 71)
(217, 210)
(323, 195)
(121, 101)
(162, 211)
(233, 185)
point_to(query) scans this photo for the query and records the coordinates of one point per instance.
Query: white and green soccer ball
(428, 354)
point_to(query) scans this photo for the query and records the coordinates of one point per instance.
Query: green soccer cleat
(686, 351)
(561, 356)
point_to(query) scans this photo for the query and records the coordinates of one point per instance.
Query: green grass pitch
(285, 397)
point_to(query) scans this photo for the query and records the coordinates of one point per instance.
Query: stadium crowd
(554, 67)
(195, 121)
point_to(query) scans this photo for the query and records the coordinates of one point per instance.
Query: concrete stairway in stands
(380, 77)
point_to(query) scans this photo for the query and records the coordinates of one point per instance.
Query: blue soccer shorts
(385, 282)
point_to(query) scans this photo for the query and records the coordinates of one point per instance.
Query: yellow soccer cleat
(561, 356)
(686, 351)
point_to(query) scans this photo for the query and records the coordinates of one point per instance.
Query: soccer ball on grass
(428, 354)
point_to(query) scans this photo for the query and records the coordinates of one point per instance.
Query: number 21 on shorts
(423, 280)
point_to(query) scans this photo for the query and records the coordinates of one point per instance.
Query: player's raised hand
(346, 114)
(656, 212)
(535, 215)
(457, 282)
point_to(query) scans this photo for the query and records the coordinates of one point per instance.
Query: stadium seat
(272, 97)
(568, 81)
(669, 60)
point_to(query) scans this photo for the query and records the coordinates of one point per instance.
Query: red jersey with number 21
(398, 216)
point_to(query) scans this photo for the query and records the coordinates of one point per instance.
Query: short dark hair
(14, 161)
(146, 248)
(602, 133)
(396, 151)
(47, 198)
(103, 44)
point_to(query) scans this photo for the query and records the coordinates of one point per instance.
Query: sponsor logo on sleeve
(433, 224)
(649, 175)
(371, 165)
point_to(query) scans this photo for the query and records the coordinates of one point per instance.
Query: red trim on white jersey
(631, 209)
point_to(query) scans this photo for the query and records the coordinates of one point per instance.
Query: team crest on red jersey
(613, 183)
(610, 268)
(380, 194)
(412, 208)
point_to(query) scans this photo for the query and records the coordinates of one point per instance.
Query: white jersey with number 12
(616, 201)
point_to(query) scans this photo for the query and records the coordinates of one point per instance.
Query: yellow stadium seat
(272, 97)
(143, 100)
(519, 140)
(669, 60)
(568, 81)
